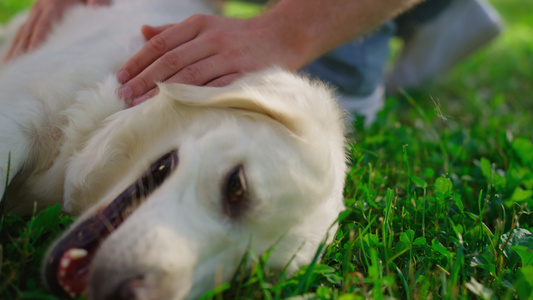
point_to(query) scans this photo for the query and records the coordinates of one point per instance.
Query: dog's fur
(72, 141)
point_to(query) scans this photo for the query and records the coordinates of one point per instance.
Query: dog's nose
(132, 289)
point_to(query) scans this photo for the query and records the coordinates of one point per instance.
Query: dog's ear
(235, 99)
(289, 99)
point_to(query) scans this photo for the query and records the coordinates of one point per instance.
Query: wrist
(292, 36)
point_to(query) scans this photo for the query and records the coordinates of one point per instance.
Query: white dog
(176, 189)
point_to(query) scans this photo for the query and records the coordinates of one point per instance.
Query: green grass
(9, 7)
(438, 203)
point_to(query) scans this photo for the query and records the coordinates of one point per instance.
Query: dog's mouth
(66, 271)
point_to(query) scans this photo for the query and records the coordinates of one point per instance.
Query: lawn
(438, 194)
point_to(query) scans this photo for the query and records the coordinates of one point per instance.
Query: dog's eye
(235, 193)
(154, 177)
(157, 173)
(160, 170)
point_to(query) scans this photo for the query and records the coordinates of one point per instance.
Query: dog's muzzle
(66, 269)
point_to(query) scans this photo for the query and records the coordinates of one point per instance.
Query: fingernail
(123, 76)
(125, 92)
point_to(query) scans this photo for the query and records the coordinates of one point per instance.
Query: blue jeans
(357, 67)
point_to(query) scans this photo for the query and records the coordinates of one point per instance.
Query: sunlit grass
(9, 7)
(438, 200)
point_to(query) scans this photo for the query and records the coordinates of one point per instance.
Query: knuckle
(218, 38)
(219, 83)
(233, 54)
(226, 80)
(203, 22)
(152, 92)
(192, 74)
(171, 60)
(157, 43)
(199, 19)
(132, 66)
(139, 85)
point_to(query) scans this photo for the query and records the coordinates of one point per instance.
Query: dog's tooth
(72, 295)
(77, 253)
(62, 273)
(66, 288)
(65, 262)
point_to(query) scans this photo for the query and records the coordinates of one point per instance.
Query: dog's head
(180, 187)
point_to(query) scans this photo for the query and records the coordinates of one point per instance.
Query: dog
(174, 190)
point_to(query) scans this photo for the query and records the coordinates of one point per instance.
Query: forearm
(313, 27)
(214, 51)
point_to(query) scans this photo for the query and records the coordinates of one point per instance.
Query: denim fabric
(420, 14)
(355, 68)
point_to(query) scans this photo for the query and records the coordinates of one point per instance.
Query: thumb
(150, 31)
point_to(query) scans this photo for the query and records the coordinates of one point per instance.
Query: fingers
(202, 50)
(149, 31)
(41, 28)
(218, 82)
(145, 97)
(23, 37)
(12, 51)
(163, 68)
(168, 51)
(224, 80)
(43, 14)
(170, 37)
(204, 72)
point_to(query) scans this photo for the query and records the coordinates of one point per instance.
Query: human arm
(213, 50)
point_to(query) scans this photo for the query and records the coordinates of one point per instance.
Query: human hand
(43, 15)
(206, 50)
